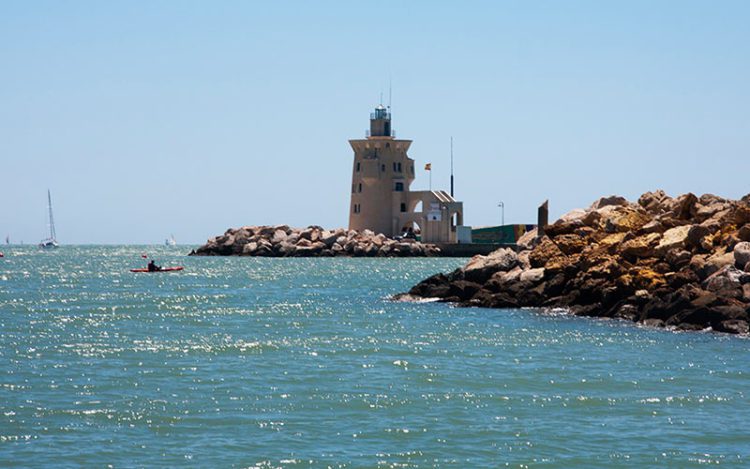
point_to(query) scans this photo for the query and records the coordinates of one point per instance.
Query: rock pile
(313, 241)
(681, 262)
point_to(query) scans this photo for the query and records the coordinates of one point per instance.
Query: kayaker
(152, 267)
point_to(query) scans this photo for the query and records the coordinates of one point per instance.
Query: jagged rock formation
(670, 262)
(313, 241)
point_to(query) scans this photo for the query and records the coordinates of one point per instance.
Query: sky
(151, 118)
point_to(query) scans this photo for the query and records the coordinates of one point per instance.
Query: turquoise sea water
(240, 362)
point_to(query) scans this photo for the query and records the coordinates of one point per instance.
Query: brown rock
(742, 254)
(678, 258)
(685, 207)
(645, 278)
(733, 326)
(696, 235)
(612, 240)
(544, 252)
(654, 202)
(652, 322)
(654, 226)
(642, 246)
(624, 219)
(570, 243)
(528, 240)
(614, 200)
(673, 238)
(715, 262)
(532, 275)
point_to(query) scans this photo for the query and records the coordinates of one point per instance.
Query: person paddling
(152, 267)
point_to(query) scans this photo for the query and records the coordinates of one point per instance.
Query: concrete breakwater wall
(681, 262)
(313, 241)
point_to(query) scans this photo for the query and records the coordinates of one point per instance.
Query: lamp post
(502, 212)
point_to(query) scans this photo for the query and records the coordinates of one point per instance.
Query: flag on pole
(428, 167)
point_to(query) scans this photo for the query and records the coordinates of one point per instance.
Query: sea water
(250, 362)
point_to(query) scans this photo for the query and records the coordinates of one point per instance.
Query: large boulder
(528, 240)
(481, 268)
(623, 219)
(726, 282)
(278, 236)
(614, 200)
(743, 234)
(684, 207)
(546, 251)
(673, 238)
(742, 254)
(656, 202)
(716, 262)
(642, 246)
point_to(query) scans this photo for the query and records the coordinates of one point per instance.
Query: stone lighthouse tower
(381, 175)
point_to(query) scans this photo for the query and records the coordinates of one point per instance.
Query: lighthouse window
(399, 187)
(358, 166)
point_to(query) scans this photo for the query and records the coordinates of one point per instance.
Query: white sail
(51, 242)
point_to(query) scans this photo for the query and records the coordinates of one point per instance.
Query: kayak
(163, 269)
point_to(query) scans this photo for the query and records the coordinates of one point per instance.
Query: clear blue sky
(156, 117)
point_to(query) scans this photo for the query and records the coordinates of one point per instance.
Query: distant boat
(170, 241)
(51, 242)
(7, 239)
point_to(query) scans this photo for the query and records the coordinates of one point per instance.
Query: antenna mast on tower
(451, 166)
(390, 92)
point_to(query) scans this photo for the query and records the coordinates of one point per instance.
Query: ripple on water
(304, 362)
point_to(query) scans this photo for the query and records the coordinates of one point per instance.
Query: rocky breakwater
(681, 262)
(313, 241)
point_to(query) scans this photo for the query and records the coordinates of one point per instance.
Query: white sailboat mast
(52, 233)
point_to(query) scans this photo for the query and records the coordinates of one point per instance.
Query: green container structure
(506, 234)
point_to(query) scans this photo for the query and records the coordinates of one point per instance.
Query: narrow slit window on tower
(357, 166)
(394, 166)
(360, 187)
(382, 168)
(403, 207)
(399, 167)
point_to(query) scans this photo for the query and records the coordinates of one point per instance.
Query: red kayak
(164, 269)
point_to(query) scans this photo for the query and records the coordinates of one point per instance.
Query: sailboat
(170, 241)
(51, 242)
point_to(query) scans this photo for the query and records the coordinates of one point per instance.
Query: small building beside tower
(382, 200)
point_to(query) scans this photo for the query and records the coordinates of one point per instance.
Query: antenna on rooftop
(451, 166)
(390, 92)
